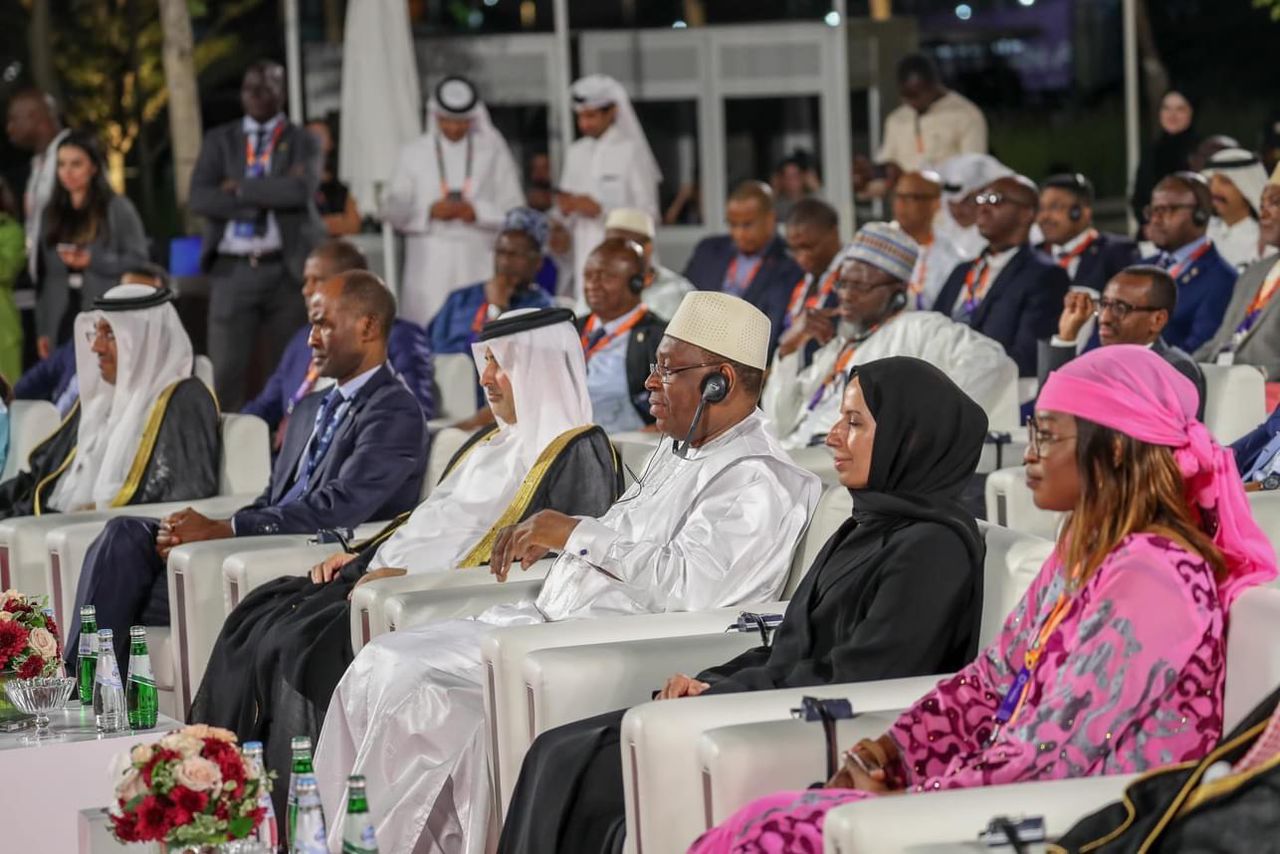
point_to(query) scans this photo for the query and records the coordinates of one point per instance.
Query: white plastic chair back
(833, 509)
(1266, 512)
(246, 455)
(1235, 400)
(1011, 564)
(30, 423)
(1253, 653)
(204, 371)
(444, 444)
(1009, 504)
(455, 375)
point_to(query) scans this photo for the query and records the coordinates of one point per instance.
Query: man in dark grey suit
(1134, 309)
(255, 183)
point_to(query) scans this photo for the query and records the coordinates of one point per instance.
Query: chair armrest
(748, 761)
(368, 604)
(412, 608)
(244, 571)
(509, 701)
(196, 606)
(662, 771)
(24, 554)
(883, 825)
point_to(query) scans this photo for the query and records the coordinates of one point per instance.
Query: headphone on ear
(898, 301)
(715, 387)
(1199, 187)
(1200, 216)
(636, 283)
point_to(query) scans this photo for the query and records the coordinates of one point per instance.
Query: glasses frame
(1038, 440)
(1149, 211)
(667, 375)
(1119, 308)
(92, 336)
(995, 199)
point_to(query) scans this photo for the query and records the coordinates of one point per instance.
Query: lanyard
(1064, 261)
(321, 441)
(466, 178)
(976, 282)
(1260, 301)
(837, 371)
(590, 349)
(731, 276)
(920, 275)
(477, 322)
(819, 297)
(253, 160)
(1176, 270)
(308, 382)
(1011, 705)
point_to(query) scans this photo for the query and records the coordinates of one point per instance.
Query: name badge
(1226, 357)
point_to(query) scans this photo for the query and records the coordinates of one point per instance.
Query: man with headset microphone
(1090, 257)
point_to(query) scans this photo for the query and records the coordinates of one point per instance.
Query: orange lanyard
(731, 276)
(1176, 270)
(975, 283)
(1064, 261)
(590, 350)
(1263, 297)
(482, 315)
(253, 159)
(798, 300)
(1031, 657)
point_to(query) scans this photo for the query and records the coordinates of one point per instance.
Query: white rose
(131, 786)
(141, 754)
(5, 616)
(42, 642)
(10, 594)
(186, 745)
(198, 774)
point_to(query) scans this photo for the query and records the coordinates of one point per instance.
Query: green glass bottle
(87, 663)
(301, 747)
(143, 702)
(357, 830)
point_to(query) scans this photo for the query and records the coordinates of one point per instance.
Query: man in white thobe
(448, 195)
(711, 522)
(1236, 180)
(610, 166)
(802, 403)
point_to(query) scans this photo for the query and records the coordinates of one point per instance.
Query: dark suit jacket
(407, 351)
(770, 290)
(1204, 292)
(372, 470)
(642, 351)
(1052, 358)
(1021, 307)
(1106, 256)
(288, 191)
(1247, 447)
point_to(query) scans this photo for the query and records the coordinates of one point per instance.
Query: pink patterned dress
(1130, 679)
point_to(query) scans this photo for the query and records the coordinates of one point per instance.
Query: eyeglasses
(1152, 211)
(916, 197)
(1040, 441)
(666, 373)
(1119, 308)
(863, 288)
(92, 336)
(993, 198)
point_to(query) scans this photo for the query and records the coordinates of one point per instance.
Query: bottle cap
(106, 635)
(88, 611)
(306, 785)
(137, 632)
(252, 748)
(356, 781)
(300, 742)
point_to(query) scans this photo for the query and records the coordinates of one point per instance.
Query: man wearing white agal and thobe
(707, 525)
(610, 166)
(875, 324)
(1236, 181)
(449, 192)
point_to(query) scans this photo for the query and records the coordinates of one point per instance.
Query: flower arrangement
(29, 639)
(190, 788)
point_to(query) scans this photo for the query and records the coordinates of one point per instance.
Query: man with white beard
(873, 322)
(711, 522)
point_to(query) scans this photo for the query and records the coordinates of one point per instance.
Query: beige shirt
(952, 125)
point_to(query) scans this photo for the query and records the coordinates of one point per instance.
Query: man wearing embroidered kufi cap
(448, 195)
(873, 322)
(664, 288)
(610, 166)
(710, 523)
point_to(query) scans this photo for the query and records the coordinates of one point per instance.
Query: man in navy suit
(1258, 451)
(1011, 292)
(351, 453)
(1177, 219)
(1089, 256)
(408, 349)
(751, 261)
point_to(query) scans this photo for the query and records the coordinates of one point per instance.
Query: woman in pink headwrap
(1114, 660)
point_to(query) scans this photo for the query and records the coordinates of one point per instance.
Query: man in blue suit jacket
(1256, 449)
(352, 453)
(1177, 219)
(1010, 293)
(295, 377)
(751, 261)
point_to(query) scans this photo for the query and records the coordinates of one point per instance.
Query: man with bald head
(917, 198)
(620, 336)
(751, 261)
(1010, 292)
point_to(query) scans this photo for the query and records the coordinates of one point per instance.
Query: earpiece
(1074, 213)
(715, 387)
(1199, 187)
(1200, 216)
(898, 301)
(636, 283)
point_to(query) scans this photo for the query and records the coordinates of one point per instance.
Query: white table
(48, 784)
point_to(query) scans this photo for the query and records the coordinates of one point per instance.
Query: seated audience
(297, 375)
(1236, 179)
(963, 177)
(663, 289)
(284, 648)
(873, 322)
(1130, 612)
(1257, 452)
(517, 255)
(1134, 309)
(142, 429)
(620, 336)
(751, 261)
(1011, 292)
(413, 698)
(813, 239)
(1250, 330)
(1176, 220)
(906, 442)
(54, 379)
(353, 453)
(1089, 256)
(917, 198)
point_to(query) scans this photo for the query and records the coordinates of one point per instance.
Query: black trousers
(569, 798)
(124, 579)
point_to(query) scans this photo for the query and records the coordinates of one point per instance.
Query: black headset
(898, 301)
(1079, 186)
(636, 283)
(1199, 187)
(715, 387)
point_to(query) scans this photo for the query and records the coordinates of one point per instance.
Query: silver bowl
(38, 697)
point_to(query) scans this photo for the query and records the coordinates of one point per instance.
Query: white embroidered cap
(724, 325)
(630, 219)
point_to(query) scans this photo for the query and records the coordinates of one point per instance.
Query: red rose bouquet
(192, 787)
(29, 640)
